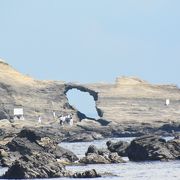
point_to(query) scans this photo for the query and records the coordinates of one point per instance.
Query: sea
(150, 170)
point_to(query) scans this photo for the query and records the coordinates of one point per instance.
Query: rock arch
(91, 92)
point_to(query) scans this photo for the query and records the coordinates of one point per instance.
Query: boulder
(152, 147)
(100, 156)
(37, 166)
(115, 158)
(174, 147)
(93, 149)
(30, 141)
(120, 147)
(87, 174)
(94, 159)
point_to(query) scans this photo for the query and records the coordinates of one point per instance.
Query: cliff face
(131, 100)
(128, 100)
(36, 97)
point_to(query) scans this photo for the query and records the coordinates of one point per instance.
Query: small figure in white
(39, 120)
(71, 121)
(22, 118)
(54, 114)
(62, 119)
(167, 102)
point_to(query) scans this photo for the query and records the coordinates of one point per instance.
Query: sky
(92, 40)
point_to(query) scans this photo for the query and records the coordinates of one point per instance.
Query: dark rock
(174, 147)
(93, 149)
(87, 174)
(100, 156)
(62, 153)
(152, 148)
(93, 158)
(83, 137)
(120, 147)
(3, 115)
(169, 127)
(103, 122)
(79, 134)
(32, 133)
(31, 141)
(37, 166)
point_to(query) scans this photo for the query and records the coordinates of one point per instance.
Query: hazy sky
(92, 40)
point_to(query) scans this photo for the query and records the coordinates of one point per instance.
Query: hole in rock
(83, 102)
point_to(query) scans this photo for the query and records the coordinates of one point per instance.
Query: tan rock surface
(128, 100)
(133, 100)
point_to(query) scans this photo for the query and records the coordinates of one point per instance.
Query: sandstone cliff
(128, 100)
(131, 100)
(36, 97)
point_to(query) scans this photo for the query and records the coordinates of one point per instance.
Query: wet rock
(152, 148)
(115, 158)
(120, 147)
(87, 174)
(100, 156)
(169, 127)
(174, 147)
(94, 150)
(37, 166)
(29, 142)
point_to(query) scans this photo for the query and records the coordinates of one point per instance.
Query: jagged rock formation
(128, 101)
(100, 156)
(150, 148)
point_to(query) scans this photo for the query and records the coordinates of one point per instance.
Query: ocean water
(152, 170)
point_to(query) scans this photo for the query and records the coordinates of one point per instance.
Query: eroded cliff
(128, 100)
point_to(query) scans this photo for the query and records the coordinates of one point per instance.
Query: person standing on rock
(62, 119)
(54, 115)
(39, 119)
(71, 121)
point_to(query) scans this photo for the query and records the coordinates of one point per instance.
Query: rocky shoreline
(88, 130)
(33, 153)
(130, 107)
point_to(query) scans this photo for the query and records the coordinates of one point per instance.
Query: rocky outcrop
(134, 101)
(30, 142)
(87, 174)
(41, 165)
(31, 154)
(153, 148)
(120, 147)
(36, 97)
(127, 101)
(100, 156)
(83, 137)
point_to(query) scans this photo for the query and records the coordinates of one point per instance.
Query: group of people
(68, 119)
(63, 119)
